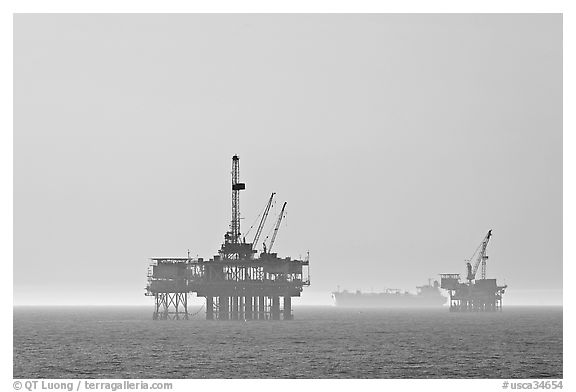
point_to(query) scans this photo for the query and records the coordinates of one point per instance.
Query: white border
(301, 6)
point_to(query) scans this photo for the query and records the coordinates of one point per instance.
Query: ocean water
(321, 342)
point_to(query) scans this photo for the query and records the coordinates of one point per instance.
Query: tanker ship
(427, 296)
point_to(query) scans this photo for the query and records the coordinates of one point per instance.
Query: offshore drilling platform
(236, 283)
(476, 295)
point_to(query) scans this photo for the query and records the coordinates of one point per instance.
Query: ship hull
(386, 300)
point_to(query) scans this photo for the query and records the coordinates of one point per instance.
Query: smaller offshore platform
(474, 295)
(237, 283)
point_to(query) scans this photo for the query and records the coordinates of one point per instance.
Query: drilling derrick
(476, 294)
(232, 248)
(237, 186)
(236, 283)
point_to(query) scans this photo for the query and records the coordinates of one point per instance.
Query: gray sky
(397, 140)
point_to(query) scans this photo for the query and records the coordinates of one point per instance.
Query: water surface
(321, 342)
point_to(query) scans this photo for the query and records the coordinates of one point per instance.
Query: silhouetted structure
(428, 295)
(476, 294)
(237, 285)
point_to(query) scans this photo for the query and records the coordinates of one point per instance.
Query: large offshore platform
(237, 284)
(475, 295)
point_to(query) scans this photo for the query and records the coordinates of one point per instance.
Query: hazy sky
(397, 140)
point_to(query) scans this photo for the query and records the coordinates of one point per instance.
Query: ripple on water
(321, 343)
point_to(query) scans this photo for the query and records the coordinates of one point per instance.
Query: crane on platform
(481, 258)
(262, 221)
(275, 229)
